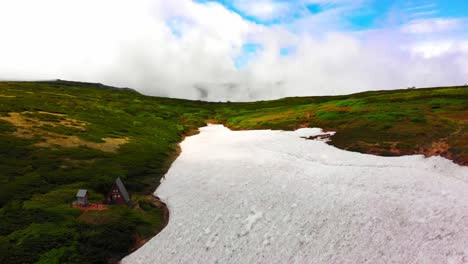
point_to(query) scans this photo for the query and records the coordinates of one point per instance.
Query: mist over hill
(237, 50)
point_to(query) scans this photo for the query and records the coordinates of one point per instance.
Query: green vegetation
(391, 123)
(38, 184)
(58, 137)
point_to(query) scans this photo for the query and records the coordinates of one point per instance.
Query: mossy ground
(39, 174)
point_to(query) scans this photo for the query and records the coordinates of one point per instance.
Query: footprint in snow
(250, 221)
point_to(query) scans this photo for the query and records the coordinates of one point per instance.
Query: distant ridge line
(96, 85)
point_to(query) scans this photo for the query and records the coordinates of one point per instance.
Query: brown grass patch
(57, 140)
(436, 148)
(96, 217)
(386, 147)
(49, 113)
(271, 117)
(461, 116)
(139, 242)
(335, 108)
(28, 127)
(60, 94)
(394, 148)
(67, 163)
(6, 96)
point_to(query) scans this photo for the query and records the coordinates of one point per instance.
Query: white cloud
(421, 7)
(185, 49)
(431, 49)
(120, 43)
(283, 10)
(263, 9)
(424, 13)
(433, 25)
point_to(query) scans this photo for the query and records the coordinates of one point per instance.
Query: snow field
(273, 197)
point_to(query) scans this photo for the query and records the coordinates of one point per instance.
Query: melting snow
(273, 197)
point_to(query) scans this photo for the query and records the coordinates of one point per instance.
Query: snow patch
(311, 132)
(273, 197)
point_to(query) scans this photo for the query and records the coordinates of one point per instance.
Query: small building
(82, 198)
(118, 194)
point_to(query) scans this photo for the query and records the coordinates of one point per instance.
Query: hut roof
(81, 193)
(122, 189)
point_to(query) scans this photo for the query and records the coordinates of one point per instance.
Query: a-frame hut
(118, 194)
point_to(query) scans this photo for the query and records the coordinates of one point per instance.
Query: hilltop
(58, 136)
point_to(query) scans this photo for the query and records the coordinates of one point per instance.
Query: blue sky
(357, 14)
(363, 14)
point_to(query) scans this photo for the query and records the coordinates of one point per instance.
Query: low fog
(185, 49)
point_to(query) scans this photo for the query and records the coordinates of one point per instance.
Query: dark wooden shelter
(118, 194)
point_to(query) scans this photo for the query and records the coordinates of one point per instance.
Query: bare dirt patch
(435, 148)
(29, 127)
(394, 148)
(386, 148)
(325, 137)
(461, 116)
(439, 148)
(92, 207)
(139, 242)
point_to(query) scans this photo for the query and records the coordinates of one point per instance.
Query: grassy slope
(38, 183)
(389, 123)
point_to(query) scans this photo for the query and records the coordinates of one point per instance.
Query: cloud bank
(206, 50)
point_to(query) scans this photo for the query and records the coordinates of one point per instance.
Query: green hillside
(389, 123)
(58, 137)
